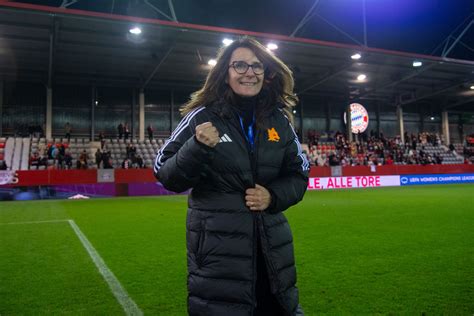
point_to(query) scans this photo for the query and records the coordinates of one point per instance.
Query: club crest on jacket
(273, 135)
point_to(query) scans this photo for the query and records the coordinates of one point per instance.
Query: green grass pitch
(405, 250)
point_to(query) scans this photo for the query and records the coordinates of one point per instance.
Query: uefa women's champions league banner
(387, 181)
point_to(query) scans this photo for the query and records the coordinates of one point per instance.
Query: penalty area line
(128, 305)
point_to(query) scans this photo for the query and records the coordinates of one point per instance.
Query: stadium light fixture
(135, 30)
(432, 118)
(212, 62)
(227, 41)
(294, 111)
(356, 56)
(361, 77)
(472, 87)
(417, 63)
(272, 46)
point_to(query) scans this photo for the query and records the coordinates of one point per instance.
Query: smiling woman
(237, 150)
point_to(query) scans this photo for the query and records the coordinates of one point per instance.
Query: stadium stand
(423, 149)
(25, 153)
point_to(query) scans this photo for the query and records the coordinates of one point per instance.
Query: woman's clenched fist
(207, 134)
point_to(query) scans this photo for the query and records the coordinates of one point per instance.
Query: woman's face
(247, 84)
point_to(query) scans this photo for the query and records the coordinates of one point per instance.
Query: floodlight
(135, 30)
(227, 41)
(272, 46)
(356, 56)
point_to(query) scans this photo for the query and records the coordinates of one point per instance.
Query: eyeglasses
(241, 67)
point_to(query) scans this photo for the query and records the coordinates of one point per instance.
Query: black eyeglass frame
(233, 65)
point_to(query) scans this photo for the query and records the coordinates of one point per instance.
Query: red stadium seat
(2, 145)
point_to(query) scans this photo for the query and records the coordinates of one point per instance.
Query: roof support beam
(435, 92)
(52, 49)
(459, 103)
(328, 75)
(159, 11)
(394, 83)
(157, 67)
(446, 52)
(173, 14)
(305, 19)
(67, 3)
(339, 30)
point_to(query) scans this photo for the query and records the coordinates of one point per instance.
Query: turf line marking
(129, 306)
(36, 222)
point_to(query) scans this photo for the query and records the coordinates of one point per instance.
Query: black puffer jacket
(221, 230)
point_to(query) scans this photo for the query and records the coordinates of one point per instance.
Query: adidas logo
(225, 139)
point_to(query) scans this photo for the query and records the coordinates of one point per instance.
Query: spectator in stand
(34, 160)
(106, 159)
(451, 148)
(50, 151)
(82, 161)
(322, 161)
(149, 130)
(60, 156)
(55, 154)
(101, 136)
(3, 165)
(67, 131)
(98, 158)
(131, 152)
(389, 160)
(126, 163)
(68, 160)
(139, 161)
(333, 160)
(126, 131)
(120, 130)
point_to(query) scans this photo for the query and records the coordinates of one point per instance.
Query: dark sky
(407, 25)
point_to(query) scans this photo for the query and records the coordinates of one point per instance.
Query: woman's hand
(258, 199)
(207, 134)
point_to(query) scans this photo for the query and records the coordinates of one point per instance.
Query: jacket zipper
(252, 154)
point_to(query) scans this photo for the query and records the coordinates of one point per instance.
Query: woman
(237, 150)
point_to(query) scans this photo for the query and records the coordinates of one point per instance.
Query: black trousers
(267, 304)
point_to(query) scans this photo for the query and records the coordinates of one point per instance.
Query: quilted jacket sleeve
(291, 186)
(182, 160)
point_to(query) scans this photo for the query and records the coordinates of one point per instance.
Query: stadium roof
(68, 46)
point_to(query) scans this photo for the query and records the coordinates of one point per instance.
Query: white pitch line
(36, 222)
(129, 306)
